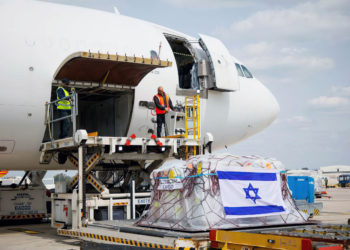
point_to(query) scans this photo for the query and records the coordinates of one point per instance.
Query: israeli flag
(250, 192)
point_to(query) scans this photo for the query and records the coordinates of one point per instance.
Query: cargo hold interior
(105, 89)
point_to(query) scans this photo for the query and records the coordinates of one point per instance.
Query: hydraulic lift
(136, 157)
(97, 149)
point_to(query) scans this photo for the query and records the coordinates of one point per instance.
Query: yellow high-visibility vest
(63, 104)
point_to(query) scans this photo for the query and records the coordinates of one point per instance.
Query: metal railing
(49, 114)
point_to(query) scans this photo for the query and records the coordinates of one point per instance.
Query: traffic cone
(159, 143)
(130, 138)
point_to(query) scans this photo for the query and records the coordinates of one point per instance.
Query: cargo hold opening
(106, 86)
(106, 112)
(185, 62)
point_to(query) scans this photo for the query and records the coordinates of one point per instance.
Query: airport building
(333, 172)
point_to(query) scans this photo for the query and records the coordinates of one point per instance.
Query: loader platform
(117, 148)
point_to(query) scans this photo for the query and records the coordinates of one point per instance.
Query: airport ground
(336, 209)
(39, 236)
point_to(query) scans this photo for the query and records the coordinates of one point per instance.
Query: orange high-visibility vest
(3, 173)
(161, 101)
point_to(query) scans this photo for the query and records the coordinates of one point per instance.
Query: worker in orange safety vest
(163, 105)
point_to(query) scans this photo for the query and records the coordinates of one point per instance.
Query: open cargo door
(105, 68)
(224, 73)
(105, 85)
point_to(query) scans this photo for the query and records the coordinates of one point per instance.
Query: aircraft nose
(273, 108)
(266, 108)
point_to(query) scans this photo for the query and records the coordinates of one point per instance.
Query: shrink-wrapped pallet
(220, 192)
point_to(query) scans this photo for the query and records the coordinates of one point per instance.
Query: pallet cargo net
(220, 192)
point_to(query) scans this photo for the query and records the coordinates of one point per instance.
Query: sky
(298, 49)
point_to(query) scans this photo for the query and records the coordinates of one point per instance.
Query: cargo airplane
(39, 40)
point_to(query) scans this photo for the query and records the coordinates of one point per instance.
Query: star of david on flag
(250, 192)
(255, 191)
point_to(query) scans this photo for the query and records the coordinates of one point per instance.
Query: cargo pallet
(124, 234)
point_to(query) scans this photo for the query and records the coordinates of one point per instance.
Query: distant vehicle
(311, 173)
(7, 181)
(49, 183)
(332, 173)
(344, 180)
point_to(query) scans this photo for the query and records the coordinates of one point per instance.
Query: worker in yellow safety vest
(64, 107)
(163, 104)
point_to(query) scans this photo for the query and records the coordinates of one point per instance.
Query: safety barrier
(49, 114)
(118, 240)
(22, 216)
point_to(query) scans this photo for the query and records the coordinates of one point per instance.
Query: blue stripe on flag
(246, 176)
(253, 210)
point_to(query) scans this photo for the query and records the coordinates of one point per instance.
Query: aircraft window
(246, 72)
(239, 70)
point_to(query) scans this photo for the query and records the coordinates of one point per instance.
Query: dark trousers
(64, 124)
(160, 122)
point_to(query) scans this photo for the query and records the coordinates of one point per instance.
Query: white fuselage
(36, 37)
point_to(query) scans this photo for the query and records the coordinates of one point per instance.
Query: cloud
(269, 78)
(316, 21)
(339, 90)
(264, 55)
(280, 61)
(298, 119)
(296, 122)
(328, 102)
(259, 48)
(206, 3)
(292, 39)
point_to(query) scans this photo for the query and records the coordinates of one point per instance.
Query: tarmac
(40, 236)
(336, 206)
(34, 236)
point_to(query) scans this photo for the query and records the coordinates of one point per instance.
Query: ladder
(192, 122)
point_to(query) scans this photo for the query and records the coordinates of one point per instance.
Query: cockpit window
(246, 72)
(239, 70)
